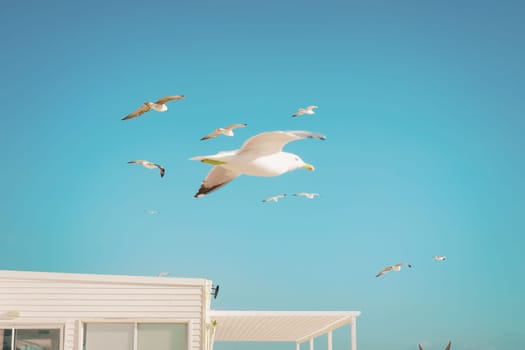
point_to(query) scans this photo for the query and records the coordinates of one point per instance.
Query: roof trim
(96, 278)
(282, 313)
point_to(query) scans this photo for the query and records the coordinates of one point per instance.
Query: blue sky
(422, 104)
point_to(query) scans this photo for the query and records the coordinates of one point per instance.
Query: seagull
(396, 267)
(307, 195)
(440, 258)
(149, 165)
(164, 274)
(261, 155)
(152, 212)
(307, 110)
(227, 131)
(274, 198)
(447, 347)
(159, 106)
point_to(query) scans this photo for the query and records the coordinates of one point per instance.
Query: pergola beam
(326, 329)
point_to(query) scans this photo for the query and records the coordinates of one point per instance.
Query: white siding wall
(65, 299)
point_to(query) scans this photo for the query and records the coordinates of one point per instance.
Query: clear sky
(422, 103)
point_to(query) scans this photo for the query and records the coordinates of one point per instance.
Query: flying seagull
(446, 348)
(159, 106)
(440, 258)
(274, 198)
(307, 195)
(149, 165)
(227, 131)
(261, 155)
(307, 110)
(396, 267)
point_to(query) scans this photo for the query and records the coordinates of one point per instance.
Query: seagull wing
(419, 347)
(273, 141)
(311, 108)
(137, 161)
(215, 133)
(162, 170)
(236, 126)
(216, 178)
(140, 111)
(385, 270)
(300, 194)
(299, 112)
(166, 99)
(448, 346)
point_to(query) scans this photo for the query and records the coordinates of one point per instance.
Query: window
(5, 338)
(115, 336)
(136, 336)
(162, 336)
(30, 339)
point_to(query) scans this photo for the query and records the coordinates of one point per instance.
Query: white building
(58, 311)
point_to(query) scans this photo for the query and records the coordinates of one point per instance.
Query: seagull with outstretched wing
(274, 198)
(261, 155)
(159, 106)
(149, 165)
(307, 195)
(307, 110)
(396, 267)
(227, 131)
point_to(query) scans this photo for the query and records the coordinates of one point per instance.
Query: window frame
(43, 326)
(135, 322)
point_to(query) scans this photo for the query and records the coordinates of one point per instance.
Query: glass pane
(162, 336)
(5, 339)
(37, 339)
(109, 336)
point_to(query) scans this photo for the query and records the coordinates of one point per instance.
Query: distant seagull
(149, 165)
(307, 110)
(440, 258)
(307, 195)
(227, 131)
(447, 348)
(152, 212)
(274, 198)
(396, 267)
(164, 274)
(159, 106)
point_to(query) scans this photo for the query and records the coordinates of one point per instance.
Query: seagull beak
(309, 167)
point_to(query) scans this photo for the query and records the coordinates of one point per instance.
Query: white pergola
(282, 326)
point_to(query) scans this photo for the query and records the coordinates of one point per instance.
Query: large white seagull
(261, 155)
